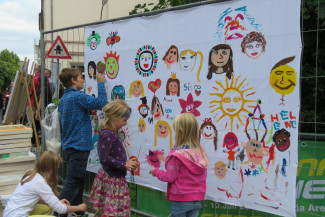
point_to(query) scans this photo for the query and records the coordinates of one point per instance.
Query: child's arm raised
(94, 103)
(172, 171)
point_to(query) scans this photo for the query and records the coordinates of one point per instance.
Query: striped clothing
(74, 109)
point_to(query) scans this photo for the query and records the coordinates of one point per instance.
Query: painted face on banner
(220, 57)
(173, 88)
(254, 49)
(187, 61)
(220, 171)
(162, 131)
(93, 43)
(157, 111)
(171, 56)
(255, 151)
(136, 90)
(142, 127)
(232, 102)
(282, 142)
(146, 61)
(208, 132)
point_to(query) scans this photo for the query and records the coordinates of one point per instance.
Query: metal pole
(57, 90)
(42, 78)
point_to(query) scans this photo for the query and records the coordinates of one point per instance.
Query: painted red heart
(146, 65)
(154, 85)
(198, 92)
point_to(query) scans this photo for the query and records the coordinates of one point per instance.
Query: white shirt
(26, 196)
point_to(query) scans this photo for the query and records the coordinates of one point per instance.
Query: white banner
(236, 67)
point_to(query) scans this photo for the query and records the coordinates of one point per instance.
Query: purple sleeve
(172, 171)
(106, 144)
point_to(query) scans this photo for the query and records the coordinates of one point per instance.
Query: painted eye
(237, 99)
(284, 140)
(224, 53)
(258, 145)
(192, 56)
(290, 72)
(279, 141)
(183, 58)
(249, 47)
(258, 45)
(279, 72)
(252, 143)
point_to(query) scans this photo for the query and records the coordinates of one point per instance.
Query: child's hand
(82, 207)
(65, 202)
(100, 77)
(131, 164)
(151, 171)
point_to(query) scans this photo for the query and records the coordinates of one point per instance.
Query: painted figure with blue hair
(118, 92)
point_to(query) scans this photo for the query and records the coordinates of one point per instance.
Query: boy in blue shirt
(74, 109)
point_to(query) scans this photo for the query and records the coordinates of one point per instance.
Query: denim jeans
(76, 175)
(185, 209)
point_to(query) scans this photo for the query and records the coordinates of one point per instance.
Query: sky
(19, 26)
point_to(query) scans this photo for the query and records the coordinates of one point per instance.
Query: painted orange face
(162, 131)
(255, 151)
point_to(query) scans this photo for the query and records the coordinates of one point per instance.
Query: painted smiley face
(155, 157)
(232, 102)
(220, 171)
(254, 49)
(173, 88)
(112, 67)
(171, 56)
(255, 151)
(282, 142)
(162, 131)
(189, 108)
(146, 61)
(283, 79)
(136, 90)
(187, 62)
(220, 57)
(208, 132)
(93, 43)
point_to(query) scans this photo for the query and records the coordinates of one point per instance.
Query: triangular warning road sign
(58, 50)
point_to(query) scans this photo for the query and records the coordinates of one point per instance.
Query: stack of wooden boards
(15, 157)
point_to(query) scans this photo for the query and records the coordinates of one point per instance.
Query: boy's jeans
(185, 209)
(76, 175)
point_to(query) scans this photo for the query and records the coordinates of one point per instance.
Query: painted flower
(190, 105)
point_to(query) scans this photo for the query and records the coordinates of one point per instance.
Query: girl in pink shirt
(186, 168)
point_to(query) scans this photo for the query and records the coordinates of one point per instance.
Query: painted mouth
(283, 147)
(163, 132)
(254, 156)
(254, 54)
(235, 36)
(157, 115)
(231, 109)
(173, 92)
(146, 65)
(284, 88)
(207, 135)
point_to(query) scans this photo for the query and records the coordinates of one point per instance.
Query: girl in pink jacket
(186, 168)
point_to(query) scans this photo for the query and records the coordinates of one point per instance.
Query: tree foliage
(162, 4)
(9, 64)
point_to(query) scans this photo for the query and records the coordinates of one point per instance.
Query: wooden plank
(13, 141)
(19, 166)
(16, 145)
(14, 150)
(28, 157)
(15, 129)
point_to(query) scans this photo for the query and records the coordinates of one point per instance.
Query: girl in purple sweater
(110, 191)
(186, 168)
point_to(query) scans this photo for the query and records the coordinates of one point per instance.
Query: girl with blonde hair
(110, 190)
(186, 165)
(39, 186)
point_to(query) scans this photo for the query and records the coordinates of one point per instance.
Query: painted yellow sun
(232, 101)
